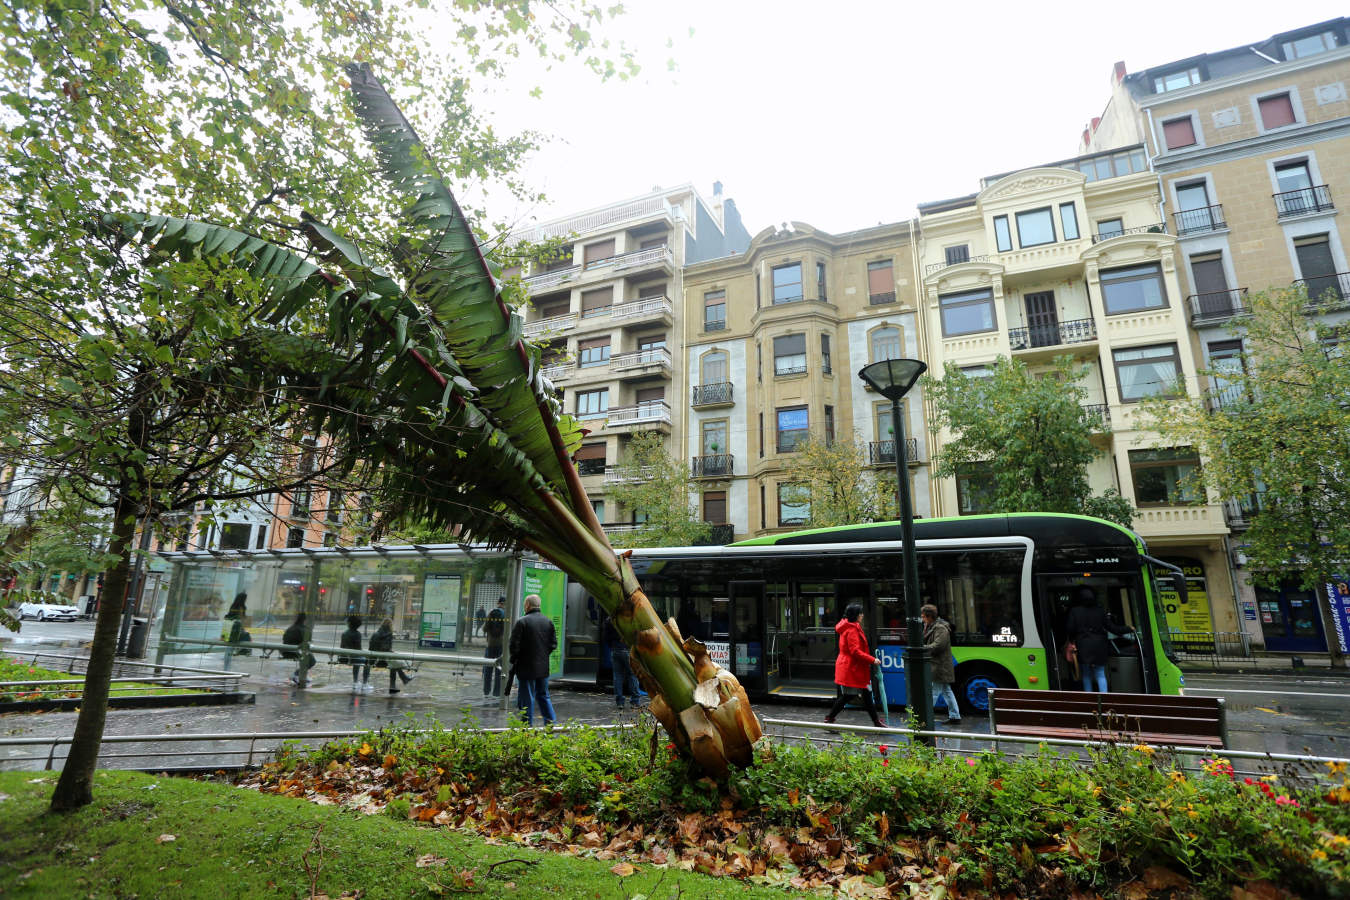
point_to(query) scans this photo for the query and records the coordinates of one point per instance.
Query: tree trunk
(75, 787)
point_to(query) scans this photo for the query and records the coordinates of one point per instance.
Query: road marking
(1191, 690)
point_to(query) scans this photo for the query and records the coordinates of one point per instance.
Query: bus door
(1121, 595)
(747, 644)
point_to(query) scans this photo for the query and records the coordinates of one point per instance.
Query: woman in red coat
(853, 666)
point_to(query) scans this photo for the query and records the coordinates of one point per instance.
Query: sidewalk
(1267, 664)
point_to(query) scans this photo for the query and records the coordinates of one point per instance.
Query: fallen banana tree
(440, 390)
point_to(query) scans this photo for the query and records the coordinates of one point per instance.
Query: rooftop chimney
(717, 188)
(1118, 75)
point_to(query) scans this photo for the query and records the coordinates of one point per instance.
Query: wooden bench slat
(1118, 736)
(1188, 721)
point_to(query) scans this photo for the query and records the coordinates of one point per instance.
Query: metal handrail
(328, 651)
(1302, 201)
(1200, 219)
(1155, 228)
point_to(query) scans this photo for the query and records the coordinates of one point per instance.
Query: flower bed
(17, 670)
(857, 818)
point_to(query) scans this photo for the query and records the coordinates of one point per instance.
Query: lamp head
(892, 378)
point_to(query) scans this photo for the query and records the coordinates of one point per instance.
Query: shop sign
(551, 586)
(1338, 596)
(1191, 617)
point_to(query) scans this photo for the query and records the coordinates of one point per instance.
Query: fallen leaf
(1160, 878)
(623, 869)
(165, 838)
(430, 859)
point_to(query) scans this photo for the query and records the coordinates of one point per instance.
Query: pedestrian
(853, 665)
(234, 632)
(624, 679)
(297, 633)
(351, 640)
(937, 640)
(1087, 628)
(382, 641)
(533, 639)
(493, 629)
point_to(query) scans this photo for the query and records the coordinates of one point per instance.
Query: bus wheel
(973, 684)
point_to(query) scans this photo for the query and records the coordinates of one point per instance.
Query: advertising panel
(551, 586)
(440, 611)
(1190, 621)
(1338, 596)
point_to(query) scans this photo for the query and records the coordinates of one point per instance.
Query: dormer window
(1309, 45)
(1174, 81)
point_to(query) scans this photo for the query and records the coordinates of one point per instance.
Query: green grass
(231, 842)
(16, 670)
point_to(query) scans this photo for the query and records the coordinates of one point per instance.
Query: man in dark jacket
(533, 639)
(1089, 627)
(937, 640)
(494, 627)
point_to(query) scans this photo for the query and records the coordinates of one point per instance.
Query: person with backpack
(494, 627)
(234, 630)
(351, 640)
(382, 641)
(297, 633)
(1087, 629)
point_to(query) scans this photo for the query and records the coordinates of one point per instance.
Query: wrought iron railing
(792, 368)
(1303, 201)
(1210, 644)
(1218, 305)
(717, 536)
(715, 325)
(716, 465)
(1240, 512)
(1155, 228)
(1327, 288)
(627, 474)
(883, 452)
(709, 394)
(878, 299)
(1098, 415)
(1075, 331)
(1199, 221)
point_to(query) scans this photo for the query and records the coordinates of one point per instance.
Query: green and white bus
(767, 607)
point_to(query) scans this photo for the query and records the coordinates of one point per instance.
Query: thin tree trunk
(75, 787)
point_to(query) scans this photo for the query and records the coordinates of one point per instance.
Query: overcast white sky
(845, 113)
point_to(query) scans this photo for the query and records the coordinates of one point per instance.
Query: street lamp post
(892, 378)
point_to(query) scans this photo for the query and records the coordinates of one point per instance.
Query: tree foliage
(1274, 435)
(658, 485)
(1028, 433)
(833, 477)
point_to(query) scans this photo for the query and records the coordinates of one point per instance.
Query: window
(1175, 80)
(714, 366)
(597, 303)
(975, 489)
(598, 252)
(761, 447)
(1317, 267)
(1147, 371)
(820, 282)
(787, 283)
(560, 259)
(1035, 227)
(1133, 288)
(825, 354)
(1178, 133)
(715, 437)
(554, 307)
(650, 347)
(652, 291)
(885, 423)
(1310, 45)
(789, 354)
(792, 428)
(967, 313)
(958, 254)
(1109, 228)
(982, 371)
(1166, 477)
(334, 511)
(1002, 235)
(829, 424)
(715, 507)
(880, 282)
(590, 459)
(1068, 221)
(1122, 163)
(235, 536)
(715, 311)
(300, 503)
(650, 400)
(886, 343)
(978, 591)
(653, 243)
(329, 540)
(1227, 367)
(295, 538)
(593, 404)
(1194, 212)
(794, 504)
(598, 507)
(1293, 176)
(1276, 111)
(593, 352)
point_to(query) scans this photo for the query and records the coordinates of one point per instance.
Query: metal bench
(1145, 718)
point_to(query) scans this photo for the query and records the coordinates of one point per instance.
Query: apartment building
(1073, 258)
(773, 339)
(607, 311)
(1252, 149)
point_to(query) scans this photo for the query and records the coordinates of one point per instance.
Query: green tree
(833, 477)
(1029, 432)
(659, 486)
(1274, 432)
(442, 396)
(226, 110)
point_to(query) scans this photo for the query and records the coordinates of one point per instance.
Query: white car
(46, 612)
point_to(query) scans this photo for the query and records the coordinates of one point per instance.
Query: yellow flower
(1177, 777)
(1145, 749)
(1126, 808)
(1271, 778)
(1318, 855)
(1096, 790)
(1336, 767)
(1335, 841)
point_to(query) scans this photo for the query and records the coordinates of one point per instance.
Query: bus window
(979, 592)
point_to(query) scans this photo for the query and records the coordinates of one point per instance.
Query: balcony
(557, 372)
(879, 299)
(627, 474)
(882, 453)
(656, 357)
(1200, 221)
(1218, 306)
(654, 412)
(552, 325)
(707, 396)
(716, 465)
(715, 325)
(1076, 331)
(1225, 395)
(620, 527)
(719, 535)
(1327, 288)
(638, 259)
(1240, 512)
(938, 267)
(1098, 416)
(545, 280)
(1303, 202)
(643, 311)
(1155, 228)
(587, 222)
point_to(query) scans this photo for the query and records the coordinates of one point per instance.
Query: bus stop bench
(1145, 718)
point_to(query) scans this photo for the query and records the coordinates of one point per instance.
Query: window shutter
(1276, 111)
(595, 300)
(880, 278)
(651, 395)
(590, 451)
(1178, 133)
(599, 250)
(592, 343)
